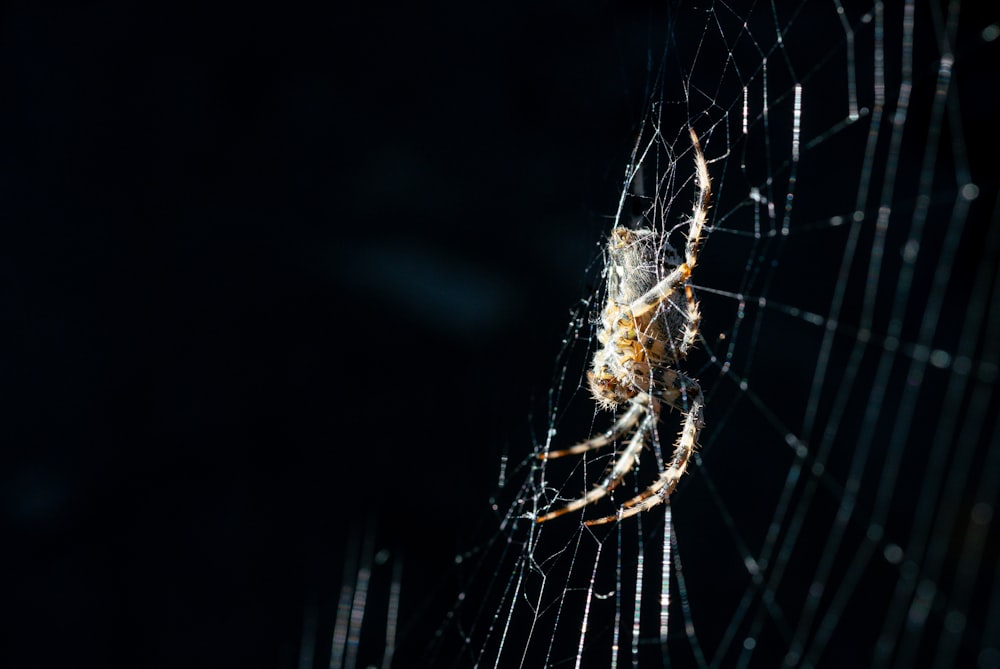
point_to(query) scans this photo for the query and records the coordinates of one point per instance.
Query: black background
(272, 275)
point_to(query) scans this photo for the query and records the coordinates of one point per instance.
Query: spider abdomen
(635, 350)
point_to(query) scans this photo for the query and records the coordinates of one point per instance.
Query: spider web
(296, 295)
(839, 511)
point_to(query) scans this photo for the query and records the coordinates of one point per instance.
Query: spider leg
(680, 275)
(692, 321)
(675, 389)
(695, 228)
(665, 483)
(621, 467)
(700, 213)
(660, 292)
(624, 423)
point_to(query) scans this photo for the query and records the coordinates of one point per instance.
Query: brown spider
(645, 332)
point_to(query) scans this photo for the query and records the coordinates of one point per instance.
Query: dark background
(275, 277)
(272, 273)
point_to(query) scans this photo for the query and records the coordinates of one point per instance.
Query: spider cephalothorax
(649, 322)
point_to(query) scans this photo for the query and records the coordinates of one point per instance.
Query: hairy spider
(646, 330)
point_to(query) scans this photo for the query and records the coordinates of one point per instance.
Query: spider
(645, 331)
